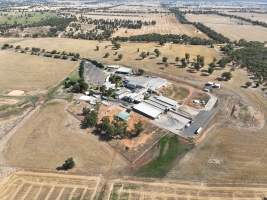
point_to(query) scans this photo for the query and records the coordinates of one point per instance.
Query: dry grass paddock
(153, 189)
(229, 152)
(52, 135)
(26, 72)
(129, 50)
(231, 28)
(262, 17)
(165, 24)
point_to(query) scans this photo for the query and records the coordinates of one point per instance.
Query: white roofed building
(147, 110)
(124, 70)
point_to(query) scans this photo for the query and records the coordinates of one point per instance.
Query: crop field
(231, 28)
(50, 136)
(129, 51)
(28, 73)
(137, 190)
(33, 185)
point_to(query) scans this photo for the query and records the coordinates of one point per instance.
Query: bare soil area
(178, 93)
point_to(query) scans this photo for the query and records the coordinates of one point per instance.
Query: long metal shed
(147, 110)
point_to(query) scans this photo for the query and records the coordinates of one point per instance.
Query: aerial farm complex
(142, 94)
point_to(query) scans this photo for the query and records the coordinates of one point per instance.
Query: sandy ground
(50, 136)
(16, 93)
(8, 101)
(231, 28)
(27, 72)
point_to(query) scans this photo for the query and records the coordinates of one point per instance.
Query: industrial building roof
(148, 110)
(167, 100)
(147, 82)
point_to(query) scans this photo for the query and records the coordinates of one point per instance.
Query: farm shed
(147, 110)
(124, 70)
(152, 83)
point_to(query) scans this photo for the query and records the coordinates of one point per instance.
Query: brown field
(262, 17)
(50, 136)
(137, 190)
(28, 73)
(231, 28)
(32, 185)
(230, 152)
(176, 92)
(129, 50)
(165, 24)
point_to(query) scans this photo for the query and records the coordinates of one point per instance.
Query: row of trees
(43, 52)
(211, 33)
(116, 23)
(104, 28)
(208, 31)
(155, 37)
(254, 22)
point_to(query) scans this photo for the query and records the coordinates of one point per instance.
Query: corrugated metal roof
(166, 100)
(124, 70)
(148, 110)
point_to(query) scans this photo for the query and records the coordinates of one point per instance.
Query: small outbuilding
(123, 115)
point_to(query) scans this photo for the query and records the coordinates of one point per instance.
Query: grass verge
(170, 149)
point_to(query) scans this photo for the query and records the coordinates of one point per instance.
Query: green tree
(164, 59)
(68, 164)
(184, 63)
(138, 128)
(106, 55)
(210, 70)
(187, 57)
(120, 56)
(143, 55)
(227, 75)
(157, 52)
